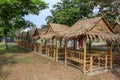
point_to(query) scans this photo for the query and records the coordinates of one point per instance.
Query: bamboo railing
(93, 61)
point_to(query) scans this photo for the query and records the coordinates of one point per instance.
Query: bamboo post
(111, 56)
(106, 62)
(65, 54)
(56, 50)
(84, 66)
(48, 51)
(34, 47)
(60, 43)
(54, 55)
(46, 47)
(91, 64)
(41, 46)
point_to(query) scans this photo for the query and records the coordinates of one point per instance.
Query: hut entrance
(55, 49)
(88, 59)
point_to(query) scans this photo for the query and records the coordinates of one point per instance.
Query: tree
(44, 26)
(110, 9)
(13, 11)
(69, 11)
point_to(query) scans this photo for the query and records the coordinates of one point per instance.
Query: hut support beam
(34, 47)
(84, 65)
(56, 50)
(41, 46)
(65, 53)
(46, 47)
(111, 56)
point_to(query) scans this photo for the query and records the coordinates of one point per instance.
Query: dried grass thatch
(54, 30)
(116, 27)
(24, 34)
(30, 35)
(38, 32)
(18, 35)
(92, 28)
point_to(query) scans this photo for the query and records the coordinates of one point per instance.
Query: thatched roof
(92, 28)
(24, 34)
(54, 30)
(18, 35)
(30, 34)
(116, 27)
(38, 32)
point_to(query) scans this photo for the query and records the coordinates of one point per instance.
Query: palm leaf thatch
(54, 30)
(94, 28)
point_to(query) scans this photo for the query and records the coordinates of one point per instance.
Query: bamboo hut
(30, 41)
(54, 42)
(116, 56)
(24, 39)
(18, 39)
(116, 27)
(37, 40)
(94, 28)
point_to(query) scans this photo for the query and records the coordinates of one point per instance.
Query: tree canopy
(13, 11)
(110, 9)
(69, 11)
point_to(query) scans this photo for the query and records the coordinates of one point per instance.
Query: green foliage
(13, 11)
(110, 9)
(69, 11)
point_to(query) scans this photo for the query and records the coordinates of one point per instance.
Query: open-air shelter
(90, 29)
(54, 44)
(30, 41)
(116, 56)
(37, 39)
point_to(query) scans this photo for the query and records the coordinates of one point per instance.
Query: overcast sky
(40, 19)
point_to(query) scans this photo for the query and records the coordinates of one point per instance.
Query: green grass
(8, 55)
(26, 60)
(13, 55)
(12, 49)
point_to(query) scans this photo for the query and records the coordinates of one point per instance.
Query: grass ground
(19, 64)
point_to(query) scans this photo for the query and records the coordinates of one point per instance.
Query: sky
(39, 20)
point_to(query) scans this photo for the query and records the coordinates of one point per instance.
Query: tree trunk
(5, 36)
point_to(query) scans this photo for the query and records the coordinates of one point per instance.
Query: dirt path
(34, 67)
